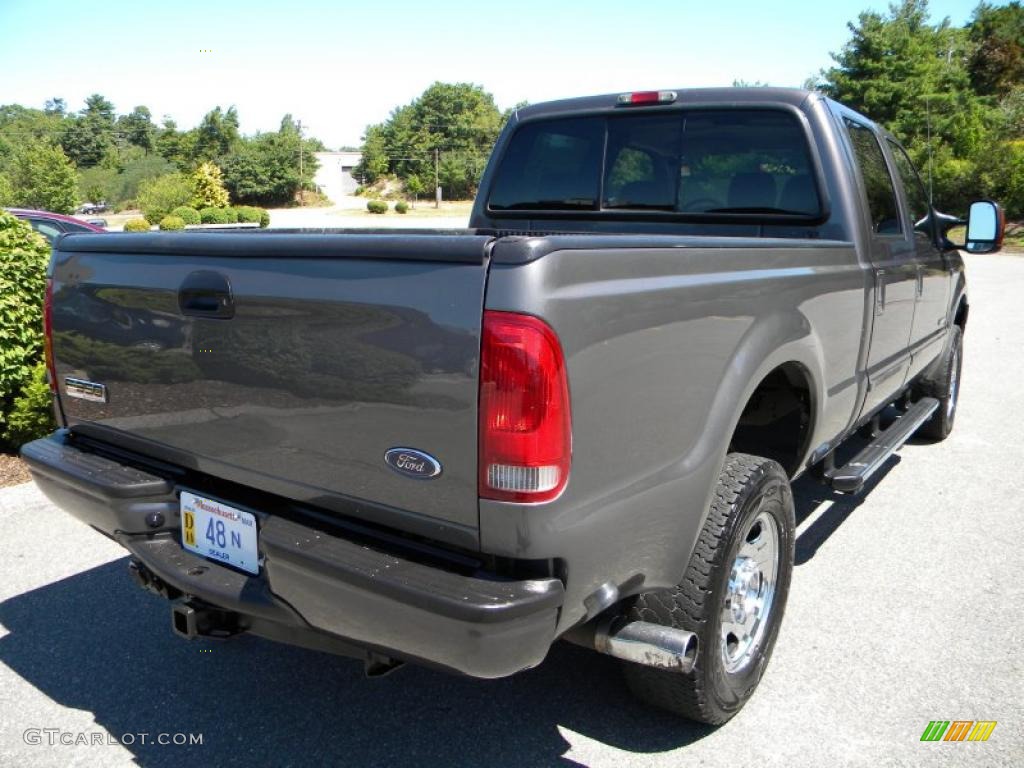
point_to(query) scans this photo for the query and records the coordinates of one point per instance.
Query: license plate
(215, 530)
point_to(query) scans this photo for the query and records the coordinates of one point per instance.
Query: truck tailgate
(287, 362)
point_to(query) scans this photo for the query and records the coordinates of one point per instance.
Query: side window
(47, 229)
(552, 165)
(885, 216)
(917, 198)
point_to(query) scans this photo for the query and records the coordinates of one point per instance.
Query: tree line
(53, 158)
(954, 96)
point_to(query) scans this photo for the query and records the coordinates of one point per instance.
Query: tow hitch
(191, 619)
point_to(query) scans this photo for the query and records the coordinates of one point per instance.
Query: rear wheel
(945, 386)
(732, 596)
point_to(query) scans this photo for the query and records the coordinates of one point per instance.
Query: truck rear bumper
(311, 581)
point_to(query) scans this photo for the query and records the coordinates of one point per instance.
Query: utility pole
(437, 182)
(302, 191)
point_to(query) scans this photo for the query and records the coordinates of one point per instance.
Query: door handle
(879, 291)
(920, 281)
(206, 294)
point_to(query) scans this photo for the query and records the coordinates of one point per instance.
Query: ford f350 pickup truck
(578, 419)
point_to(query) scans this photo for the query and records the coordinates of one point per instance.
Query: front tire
(945, 386)
(732, 596)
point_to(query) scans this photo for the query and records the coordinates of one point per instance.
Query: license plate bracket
(220, 532)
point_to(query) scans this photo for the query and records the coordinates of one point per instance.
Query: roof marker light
(640, 98)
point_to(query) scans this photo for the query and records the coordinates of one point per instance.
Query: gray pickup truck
(578, 419)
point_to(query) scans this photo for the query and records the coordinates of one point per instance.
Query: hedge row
(187, 216)
(381, 206)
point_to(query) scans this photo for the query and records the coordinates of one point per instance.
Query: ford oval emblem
(413, 463)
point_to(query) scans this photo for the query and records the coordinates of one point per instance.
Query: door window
(882, 207)
(917, 198)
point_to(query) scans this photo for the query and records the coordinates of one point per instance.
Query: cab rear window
(727, 161)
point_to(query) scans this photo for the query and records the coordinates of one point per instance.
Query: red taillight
(639, 98)
(525, 426)
(48, 334)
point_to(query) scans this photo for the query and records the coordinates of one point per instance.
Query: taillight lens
(525, 424)
(48, 334)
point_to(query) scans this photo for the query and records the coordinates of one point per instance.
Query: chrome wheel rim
(954, 384)
(750, 592)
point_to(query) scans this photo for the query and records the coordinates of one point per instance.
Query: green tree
(21, 125)
(56, 107)
(208, 187)
(89, 137)
(137, 128)
(456, 124)
(264, 170)
(42, 177)
(217, 135)
(158, 197)
(374, 162)
(996, 62)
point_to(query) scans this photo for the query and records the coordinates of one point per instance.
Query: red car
(53, 225)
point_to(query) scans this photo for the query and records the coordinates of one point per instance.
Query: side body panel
(664, 346)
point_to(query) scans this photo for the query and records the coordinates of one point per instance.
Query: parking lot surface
(906, 607)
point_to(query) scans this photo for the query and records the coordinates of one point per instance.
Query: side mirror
(986, 224)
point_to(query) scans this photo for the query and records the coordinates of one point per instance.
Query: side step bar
(851, 477)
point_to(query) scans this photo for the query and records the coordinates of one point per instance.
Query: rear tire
(751, 513)
(945, 387)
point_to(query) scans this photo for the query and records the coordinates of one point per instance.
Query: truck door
(933, 276)
(894, 266)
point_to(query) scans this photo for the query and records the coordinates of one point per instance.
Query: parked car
(53, 225)
(578, 419)
(88, 208)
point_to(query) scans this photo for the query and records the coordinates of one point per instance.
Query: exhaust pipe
(640, 642)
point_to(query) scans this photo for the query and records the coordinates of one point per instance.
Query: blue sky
(340, 65)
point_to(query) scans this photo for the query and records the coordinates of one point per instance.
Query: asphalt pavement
(907, 606)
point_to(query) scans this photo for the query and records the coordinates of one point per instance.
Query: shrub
(172, 223)
(377, 206)
(230, 215)
(401, 207)
(187, 214)
(31, 415)
(136, 225)
(158, 197)
(359, 190)
(24, 256)
(264, 218)
(248, 214)
(208, 183)
(214, 216)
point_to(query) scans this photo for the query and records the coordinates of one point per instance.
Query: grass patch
(423, 210)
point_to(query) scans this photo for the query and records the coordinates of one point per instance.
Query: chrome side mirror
(985, 226)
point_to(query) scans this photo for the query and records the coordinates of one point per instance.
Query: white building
(335, 176)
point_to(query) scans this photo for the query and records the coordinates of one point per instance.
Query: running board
(851, 477)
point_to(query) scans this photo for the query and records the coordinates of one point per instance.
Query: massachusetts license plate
(215, 530)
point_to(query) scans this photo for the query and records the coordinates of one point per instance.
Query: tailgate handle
(206, 294)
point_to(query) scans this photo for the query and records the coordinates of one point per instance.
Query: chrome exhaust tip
(640, 642)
